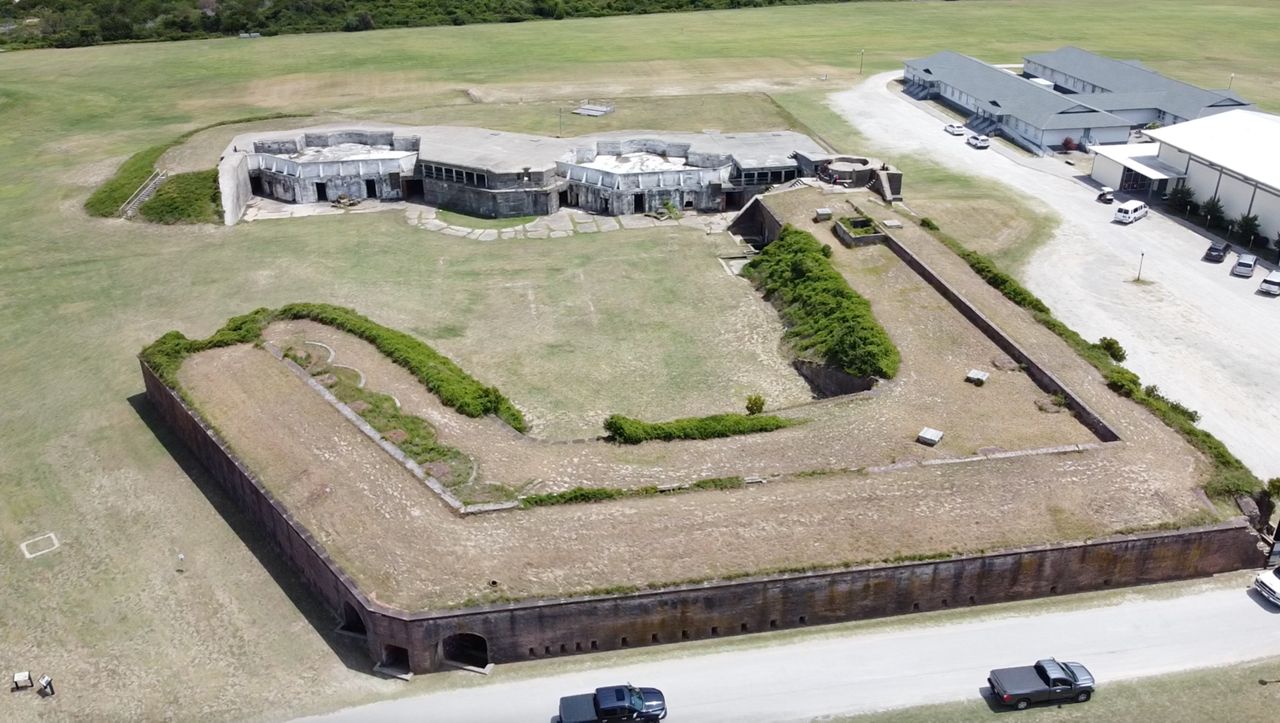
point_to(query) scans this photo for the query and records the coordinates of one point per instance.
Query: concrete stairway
(146, 191)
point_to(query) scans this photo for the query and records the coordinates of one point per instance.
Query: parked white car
(1271, 284)
(954, 129)
(1268, 585)
(1245, 265)
(978, 141)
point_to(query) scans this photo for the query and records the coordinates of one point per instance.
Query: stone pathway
(563, 223)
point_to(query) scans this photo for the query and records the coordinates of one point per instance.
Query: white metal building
(1234, 156)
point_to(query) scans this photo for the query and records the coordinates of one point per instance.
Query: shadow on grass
(348, 649)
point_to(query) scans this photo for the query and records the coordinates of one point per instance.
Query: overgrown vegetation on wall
(107, 199)
(599, 494)
(72, 23)
(1230, 477)
(626, 430)
(824, 316)
(185, 198)
(438, 373)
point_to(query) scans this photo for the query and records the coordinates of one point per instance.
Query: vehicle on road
(978, 141)
(1130, 211)
(1047, 680)
(1245, 265)
(614, 703)
(954, 129)
(1267, 583)
(1217, 252)
(1106, 194)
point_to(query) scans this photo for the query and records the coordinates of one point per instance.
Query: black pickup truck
(614, 703)
(1047, 680)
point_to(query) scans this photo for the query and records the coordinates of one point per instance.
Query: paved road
(911, 664)
(1205, 338)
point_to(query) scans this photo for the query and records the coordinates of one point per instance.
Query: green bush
(626, 430)
(1112, 348)
(755, 404)
(719, 483)
(824, 315)
(1230, 483)
(185, 198)
(928, 224)
(1123, 382)
(445, 379)
(575, 496)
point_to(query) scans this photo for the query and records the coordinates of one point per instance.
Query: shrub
(1112, 348)
(185, 198)
(1213, 212)
(1123, 382)
(1230, 483)
(1182, 197)
(1247, 226)
(928, 224)
(719, 483)
(824, 315)
(626, 430)
(755, 404)
(573, 496)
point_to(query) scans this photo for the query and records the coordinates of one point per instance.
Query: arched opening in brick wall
(466, 649)
(352, 623)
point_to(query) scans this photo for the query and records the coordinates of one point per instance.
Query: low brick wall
(548, 628)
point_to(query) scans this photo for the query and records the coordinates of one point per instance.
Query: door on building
(370, 188)
(637, 201)
(322, 192)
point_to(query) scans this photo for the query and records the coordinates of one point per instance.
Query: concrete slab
(605, 223)
(488, 234)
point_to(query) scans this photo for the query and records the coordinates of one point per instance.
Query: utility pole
(561, 123)
(861, 53)
(1141, 255)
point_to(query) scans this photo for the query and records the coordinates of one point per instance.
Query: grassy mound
(438, 373)
(185, 198)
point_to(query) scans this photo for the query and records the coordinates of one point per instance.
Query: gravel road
(1204, 337)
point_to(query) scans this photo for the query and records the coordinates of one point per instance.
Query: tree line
(74, 23)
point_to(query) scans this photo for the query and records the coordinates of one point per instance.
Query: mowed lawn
(108, 615)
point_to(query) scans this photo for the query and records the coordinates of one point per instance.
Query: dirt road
(1147, 633)
(1204, 337)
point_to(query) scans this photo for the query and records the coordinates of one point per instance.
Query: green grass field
(80, 296)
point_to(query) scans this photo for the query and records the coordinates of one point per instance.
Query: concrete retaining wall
(551, 628)
(233, 185)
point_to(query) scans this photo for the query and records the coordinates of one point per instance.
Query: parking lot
(1206, 338)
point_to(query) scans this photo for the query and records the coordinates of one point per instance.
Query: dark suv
(1217, 252)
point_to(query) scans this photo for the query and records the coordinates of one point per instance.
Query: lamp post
(860, 54)
(1231, 80)
(1141, 255)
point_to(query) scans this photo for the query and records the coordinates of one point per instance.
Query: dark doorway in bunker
(467, 649)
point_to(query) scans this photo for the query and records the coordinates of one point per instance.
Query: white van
(1130, 211)
(1271, 284)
